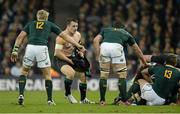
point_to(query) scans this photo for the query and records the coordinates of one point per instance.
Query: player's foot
(71, 99)
(21, 99)
(127, 103)
(116, 100)
(102, 103)
(51, 102)
(86, 101)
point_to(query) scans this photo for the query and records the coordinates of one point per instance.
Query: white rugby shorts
(36, 53)
(112, 52)
(150, 95)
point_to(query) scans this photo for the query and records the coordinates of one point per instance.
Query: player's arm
(69, 39)
(139, 53)
(79, 41)
(18, 42)
(146, 75)
(96, 44)
(147, 58)
(58, 50)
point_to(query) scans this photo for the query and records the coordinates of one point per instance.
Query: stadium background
(155, 24)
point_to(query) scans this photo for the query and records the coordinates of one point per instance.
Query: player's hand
(14, 54)
(144, 65)
(81, 54)
(71, 62)
(81, 48)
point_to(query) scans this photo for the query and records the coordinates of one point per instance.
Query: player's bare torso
(68, 48)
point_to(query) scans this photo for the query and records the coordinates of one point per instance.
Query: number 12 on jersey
(168, 74)
(39, 25)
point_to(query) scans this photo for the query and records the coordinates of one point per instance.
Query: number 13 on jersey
(168, 74)
(39, 25)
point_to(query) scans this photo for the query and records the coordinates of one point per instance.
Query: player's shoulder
(78, 33)
(49, 22)
(60, 40)
(30, 22)
(124, 31)
(178, 69)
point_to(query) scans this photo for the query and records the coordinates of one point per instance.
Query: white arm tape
(59, 46)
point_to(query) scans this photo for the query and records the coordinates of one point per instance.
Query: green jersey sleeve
(131, 39)
(26, 28)
(55, 29)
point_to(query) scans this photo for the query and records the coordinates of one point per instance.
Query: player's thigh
(104, 69)
(42, 57)
(143, 83)
(68, 71)
(29, 56)
(120, 69)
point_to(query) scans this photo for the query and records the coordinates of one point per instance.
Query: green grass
(35, 102)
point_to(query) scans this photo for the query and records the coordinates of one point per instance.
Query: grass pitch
(35, 102)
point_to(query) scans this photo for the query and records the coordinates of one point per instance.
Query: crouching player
(156, 92)
(72, 62)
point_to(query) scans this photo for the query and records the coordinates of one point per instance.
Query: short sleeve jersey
(39, 31)
(117, 35)
(166, 78)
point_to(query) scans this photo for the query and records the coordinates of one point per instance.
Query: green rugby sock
(67, 84)
(83, 88)
(22, 83)
(102, 87)
(133, 89)
(122, 88)
(49, 86)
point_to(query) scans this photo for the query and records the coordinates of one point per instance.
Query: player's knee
(47, 73)
(70, 74)
(122, 74)
(83, 80)
(25, 70)
(104, 73)
(121, 70)
(68, 71)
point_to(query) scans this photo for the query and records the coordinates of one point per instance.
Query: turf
(35, 102)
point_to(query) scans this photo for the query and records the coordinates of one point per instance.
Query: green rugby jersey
(39, 31)
(117, 35)
(166, 78)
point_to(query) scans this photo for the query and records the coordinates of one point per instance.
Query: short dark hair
(117, 24)
(171, 59)
(69, 20)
